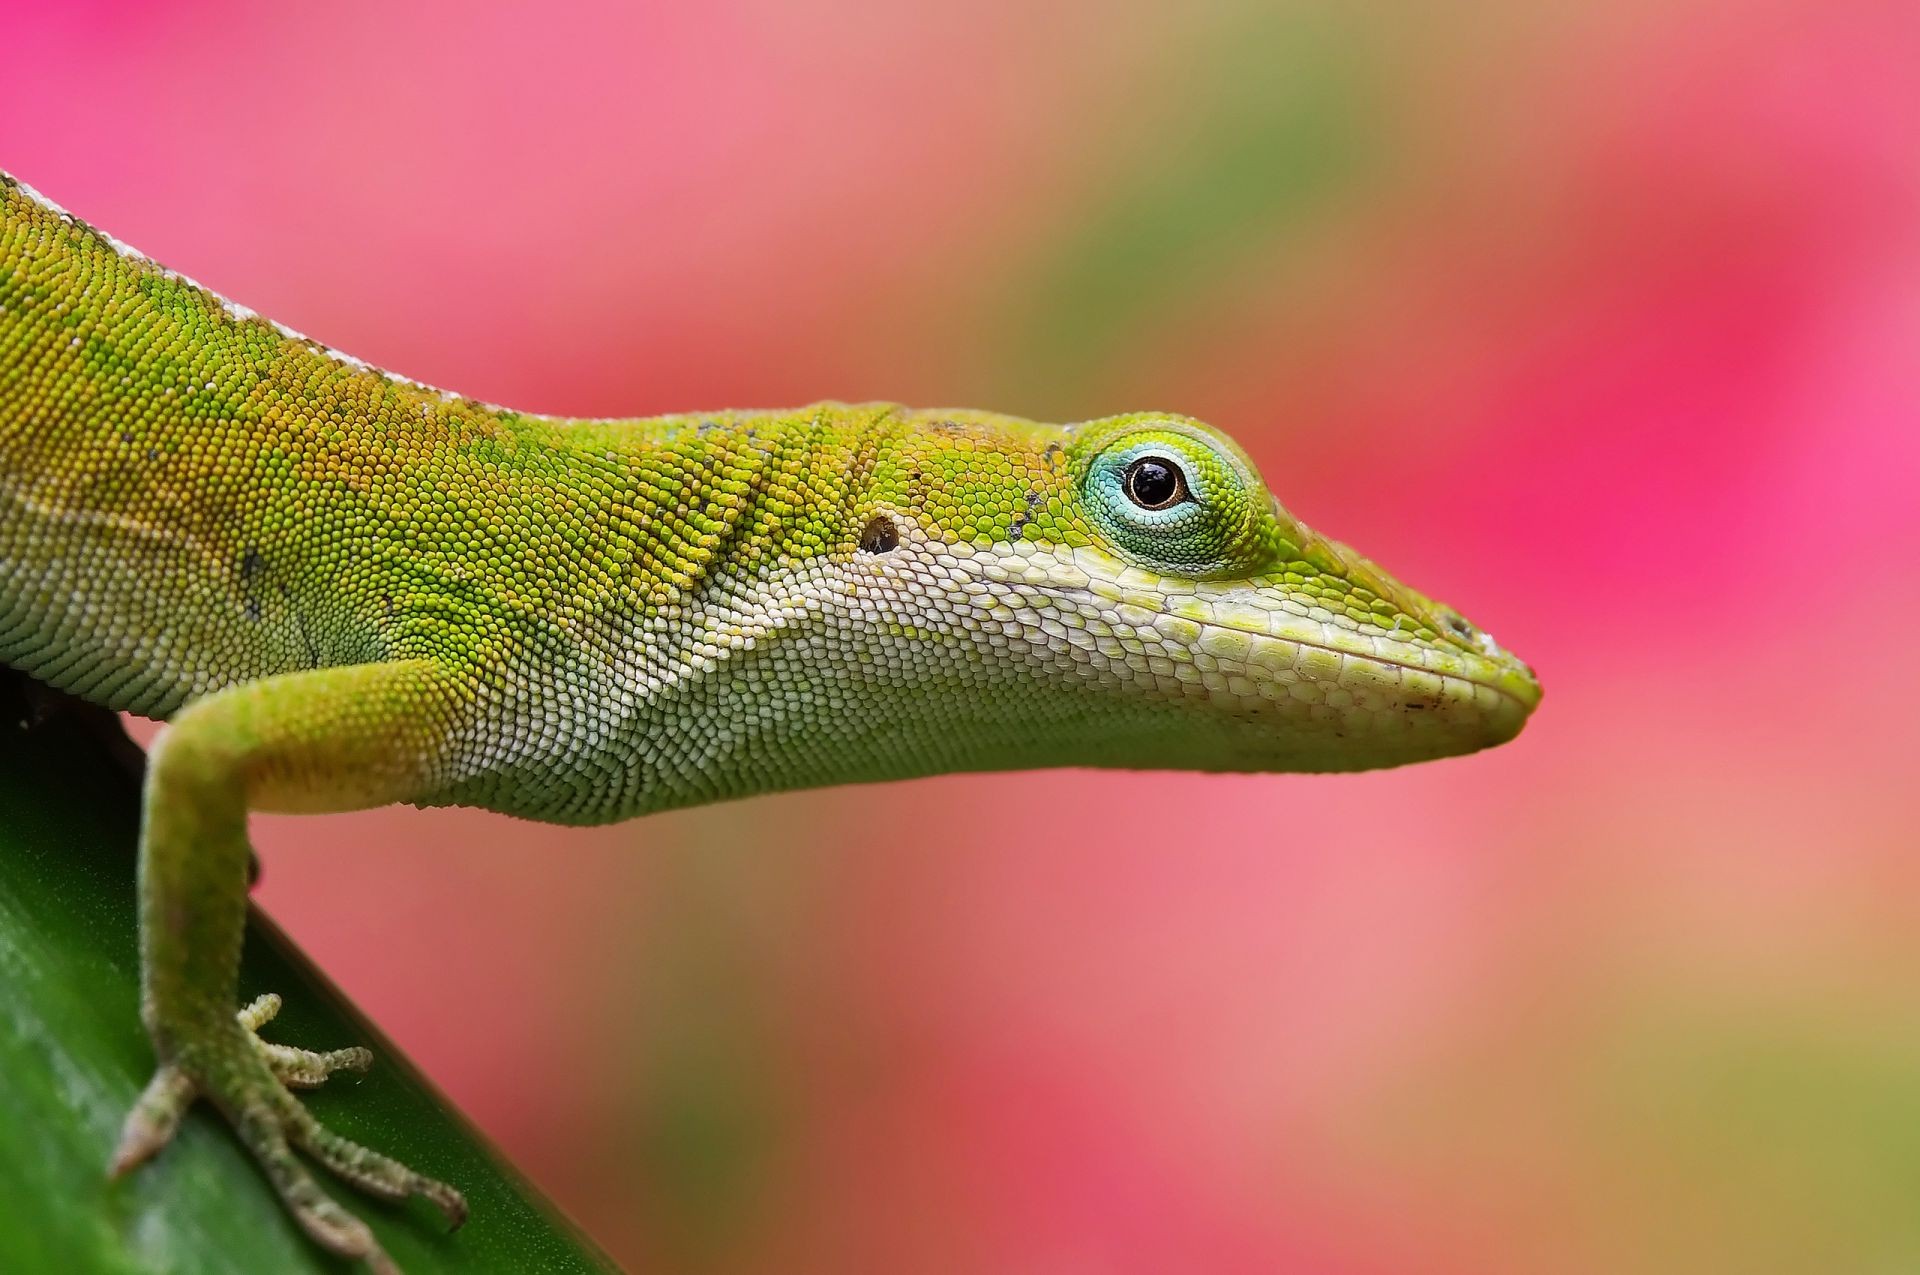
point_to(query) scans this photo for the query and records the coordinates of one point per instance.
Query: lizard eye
(1153, 482)
(1176, 498)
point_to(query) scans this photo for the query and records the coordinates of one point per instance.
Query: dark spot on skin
(879, 536)
(707, 427)
(300, 623)
(251, 565)
(1020, 520)
(1055, 454)
(126, 436)
(153, 453)
(386, 605)
(949, 427)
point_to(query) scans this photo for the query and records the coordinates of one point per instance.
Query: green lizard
(343, 589)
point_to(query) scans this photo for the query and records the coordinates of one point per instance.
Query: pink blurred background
(1600, 320)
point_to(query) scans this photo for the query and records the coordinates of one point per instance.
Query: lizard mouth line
(1519, 702)
(1524, 704)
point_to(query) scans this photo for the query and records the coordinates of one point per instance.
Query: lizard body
(346, 589)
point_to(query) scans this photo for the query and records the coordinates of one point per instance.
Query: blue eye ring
(1217, 526)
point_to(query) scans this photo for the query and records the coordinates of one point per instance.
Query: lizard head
(1161, 609)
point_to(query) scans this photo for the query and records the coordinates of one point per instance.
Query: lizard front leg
(326, 740)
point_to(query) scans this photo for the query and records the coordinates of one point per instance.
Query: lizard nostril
(880, 536)
(1459, 625)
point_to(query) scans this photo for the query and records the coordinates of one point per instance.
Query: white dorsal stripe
(246, 314)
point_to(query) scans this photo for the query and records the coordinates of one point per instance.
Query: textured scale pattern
(658, 612)
(347, 589)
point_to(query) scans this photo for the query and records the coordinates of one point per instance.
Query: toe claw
(452, 1204)
(155, 1117)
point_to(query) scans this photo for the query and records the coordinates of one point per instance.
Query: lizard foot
(250, 1080)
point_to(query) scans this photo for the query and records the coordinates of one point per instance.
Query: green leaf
(73, 1057)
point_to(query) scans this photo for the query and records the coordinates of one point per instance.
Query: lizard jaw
(1273, 680)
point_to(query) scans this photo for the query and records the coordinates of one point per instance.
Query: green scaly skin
(344, 589)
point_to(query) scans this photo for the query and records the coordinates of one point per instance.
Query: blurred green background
(1596, 319)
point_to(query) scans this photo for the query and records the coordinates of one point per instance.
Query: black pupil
(1153, 483)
